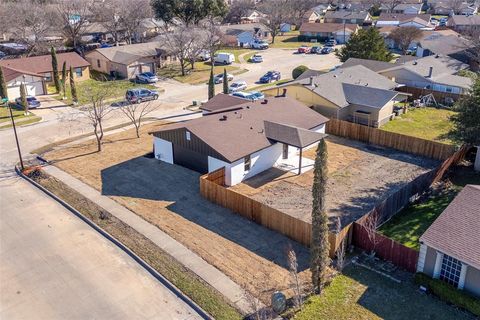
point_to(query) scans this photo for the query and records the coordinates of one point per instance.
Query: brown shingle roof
(11, 73)
(456, 232)
(221, 102)
(326, 27)
(402, 17)
(290, 135)
(42, 64)
(242, 132)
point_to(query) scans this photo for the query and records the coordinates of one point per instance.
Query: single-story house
(322, 8)
(464, 24)
(247, 140)
(42, 65)
(355, 94)
(444, 42)
(311, 16)
(322, 31)
(130, 60)
(450, 248)
(420, 21)
(243, 35)
(446, 8)
(406, 8)
(433, 73)
(253, 16)
(34, 83)
(361, 18)
(221, 102)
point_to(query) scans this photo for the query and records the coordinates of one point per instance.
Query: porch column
(438, 265)
(300, 162)
(463, 274)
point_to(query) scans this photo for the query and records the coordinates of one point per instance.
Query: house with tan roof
(355, 94)
(36, 72)
(323, 31)
(245, 140)
(450, 248)
(464, 24)
(420, 21)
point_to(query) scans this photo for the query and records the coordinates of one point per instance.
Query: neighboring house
(311, 16)
(407, 8)
(34, 83)
(464, 24)
(221, 102)
(247, 140)
(130, 60)
(322, 31)
(450, 248)
(149, 28)
(445, 8)
(96, 32)
(243, 35)
(355, 94)
(286, 27)
(253, 16)
(42, 65)
(361, 18)
(322, 8)
(421, 21)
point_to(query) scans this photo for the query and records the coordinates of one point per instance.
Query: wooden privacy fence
(385, 248)
(418, 146)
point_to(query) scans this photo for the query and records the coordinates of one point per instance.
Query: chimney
(265, 101)
(430, 71)
(223, 118)
(311, 81)
(284, 94)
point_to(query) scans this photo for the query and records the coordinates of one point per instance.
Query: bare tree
(277, 12)
(341, 250)
(455, 5)
(297, 9)
(371, 224)
(239, 9)
(212, 40)
(131, 20)
(72, 17)
(404, 36)
(180, 42)
(391, 4)
(96, 112)
(136, 113)
(108, 14)
(295, 282)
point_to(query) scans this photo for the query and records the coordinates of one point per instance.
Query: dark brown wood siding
(178, 138)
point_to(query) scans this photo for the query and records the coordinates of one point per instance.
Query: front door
(285, 151)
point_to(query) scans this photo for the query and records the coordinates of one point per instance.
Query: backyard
(116, 90)
(359, 293)
(409, 224)
(427, 123)
(360, 175)
(168, 196)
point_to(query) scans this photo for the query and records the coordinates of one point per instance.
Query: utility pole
(15, 132)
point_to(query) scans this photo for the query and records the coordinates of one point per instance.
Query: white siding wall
(34, 86)
(163, 150)
(215, 164)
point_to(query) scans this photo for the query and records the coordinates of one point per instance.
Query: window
(450, 271)
(48, 76)
(449, 89)
(79, 72)
(247, 163)
(99, 64)
(187, 135)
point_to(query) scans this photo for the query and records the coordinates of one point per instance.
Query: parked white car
(224, 58)
(219, 78)
(237, 86)
(259, 44)
(257, 58)
(204, 55)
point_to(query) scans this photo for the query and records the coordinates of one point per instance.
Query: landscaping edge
(121, 246)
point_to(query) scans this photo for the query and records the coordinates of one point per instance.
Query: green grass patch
(363, 294)
(200, 74)
(116, 90)
(188, 282)
(427, 123)
(18, 115)
(289, 42)
(408, 225)
(268, 85)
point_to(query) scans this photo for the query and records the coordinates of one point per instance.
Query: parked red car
(304, 49)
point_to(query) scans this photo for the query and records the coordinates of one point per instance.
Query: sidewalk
(232, 291)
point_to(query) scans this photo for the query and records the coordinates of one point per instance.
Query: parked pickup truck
(259, 44)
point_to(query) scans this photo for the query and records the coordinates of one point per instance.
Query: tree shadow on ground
(145, 178)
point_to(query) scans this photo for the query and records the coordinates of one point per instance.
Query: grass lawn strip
(359, 293)
(116, 90)
(426, 123)
(189, 283)
(18, 115)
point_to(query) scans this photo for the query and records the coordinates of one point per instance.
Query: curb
(120, 245)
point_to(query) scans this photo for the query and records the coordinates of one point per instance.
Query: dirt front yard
(360, 175)
(168, 197)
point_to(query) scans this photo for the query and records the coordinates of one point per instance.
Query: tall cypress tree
(23, 97)
(3, 85)
(73, 88)
(319, 246)
(211, 86)
(56, 78)
(225, 81)
(64, 80)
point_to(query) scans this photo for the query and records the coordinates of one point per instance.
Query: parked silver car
(237, 86)
(146, 77)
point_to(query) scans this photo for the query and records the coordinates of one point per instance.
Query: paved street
(54, 266)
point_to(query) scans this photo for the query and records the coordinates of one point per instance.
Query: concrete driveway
(53, 266)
